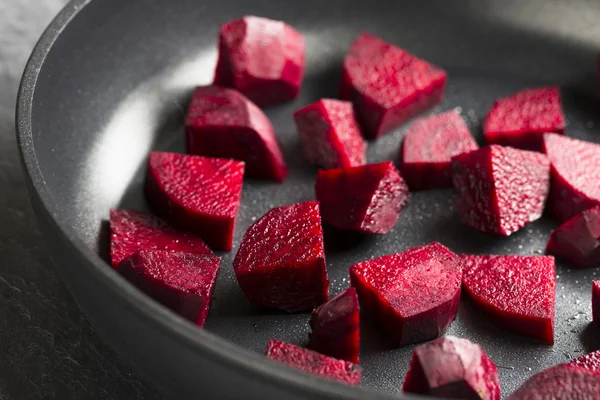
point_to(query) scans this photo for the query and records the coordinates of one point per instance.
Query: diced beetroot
(336, 327)
(262, 58)
(196, 193)
(131, 231)
(313, 362)
(281, 261)
(223, 123)
(596, 302)
(500, 189)
(521, 119)
(388, 85)
(577, 241)
(452, 368)
(183, 282)
(330, 135)
(517, 292)
(575, 175)
(365, 199)
(413, 295)
(590, 361)
(428, 147)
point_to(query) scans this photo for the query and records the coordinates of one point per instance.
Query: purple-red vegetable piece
(590, 361)
(596, 302)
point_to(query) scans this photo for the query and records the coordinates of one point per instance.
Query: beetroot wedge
(281, 261)
(336, 327)
(388, 85)
(196, 193)
(365, 199)
(223, 123)
(575, 175)
(522, 119)
(596, 302)
(262, 58)
(577, 241)
(452, 368)
(131, 231)
(590, 361)
(183, 282)
(500, 189)
(330, 135)
(413, 295)
(517, 292)
(428, 147)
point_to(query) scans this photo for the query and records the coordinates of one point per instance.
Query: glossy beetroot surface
(223, 123)
(590, 361)
(596, 302)
(388, 85)
(516, 292)
(413, 295)
(281, 261)
(196, 193)
(365, 199)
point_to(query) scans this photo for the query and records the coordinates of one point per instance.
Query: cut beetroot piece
(522, 119)
(196, 193)
(452, 368)
(590, 361)
(336, 327)
(575, 175)
(131, 231)
(313, 362)
(388, 85)
(596, 302)
(183, 282)
(428, 147)
(262, 58)
(223, 123)
(517, 292)
(365, 199)
(281, 261)
(577, 241)
(330, 135)
(500, 189)
(413, 295)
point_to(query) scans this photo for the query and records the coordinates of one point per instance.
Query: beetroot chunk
(575, 175)
(336, 327)
(452, 368)
(262, 58)
(413, 295)
(196, 193)
(131, 231)
(522, 119)
(281, 261)
(578, 240)
(183, 282)
(596, 302)
(330, 135)
(223, 123)
(313, 362)
(500, 189)
(590, 361)
(428, 147)
(517, 292)
(365, 199)
(388, 85)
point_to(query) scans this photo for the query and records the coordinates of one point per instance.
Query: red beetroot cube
(262, 58)
(596, 302)
(183, 282)
(413, 295)
(131, 231)
(196, 193)
(500, 189)
(590, 361)
(330, 135)
(365, 199)
(452, 368)
(521, 119)
(517, 292)
(223, 123)
(575, 175)
(281, 261)
(428, 147)
(388, 85)
(336, 327)
(313, 362)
